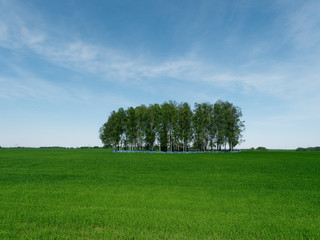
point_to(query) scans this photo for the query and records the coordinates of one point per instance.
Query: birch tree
(174, 127)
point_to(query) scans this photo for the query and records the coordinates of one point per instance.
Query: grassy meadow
(95, 194)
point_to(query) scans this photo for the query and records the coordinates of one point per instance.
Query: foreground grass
(94, 194)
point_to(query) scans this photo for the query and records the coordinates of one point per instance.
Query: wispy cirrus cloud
(28, 89)
(279, 78)
(264, 57)
(303, 25)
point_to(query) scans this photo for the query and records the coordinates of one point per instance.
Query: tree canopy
(174, 127)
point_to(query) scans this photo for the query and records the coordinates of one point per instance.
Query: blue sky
(66, 64)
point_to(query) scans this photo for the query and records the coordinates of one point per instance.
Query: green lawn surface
(95, 194)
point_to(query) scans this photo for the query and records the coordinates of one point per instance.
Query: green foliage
(168, 124)
(94, 194)
(203, 120)
(258, 149)
(183, 128)
(174, 127)
(261, 149)
(131, 127)
(309, 149)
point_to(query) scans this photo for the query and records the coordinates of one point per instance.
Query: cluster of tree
(52, 147)
(309, 149)
(174, 127)
(59, 147)
(258, 149)
(89, 147)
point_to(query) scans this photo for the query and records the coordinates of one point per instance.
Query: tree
(219, 124)
(121, 127)
(174, 127)
(228, 125)
(131, 127)
(105, 134)
(111, 132)
(203, 125)
(155, 118)
(141, 123)
(261, 149)
(184, 126)
(233, 125)
(152, 126)
(198, 127)
(168, 117)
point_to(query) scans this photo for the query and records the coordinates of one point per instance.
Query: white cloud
(31, 38)
(30, 88)
(304, 25)
(3, 32)
(295, 79)
(280, 79)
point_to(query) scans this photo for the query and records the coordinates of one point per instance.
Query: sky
(66, 64)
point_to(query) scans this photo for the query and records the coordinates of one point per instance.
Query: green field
(95, 194)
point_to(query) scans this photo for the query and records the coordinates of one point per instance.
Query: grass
(95, 194)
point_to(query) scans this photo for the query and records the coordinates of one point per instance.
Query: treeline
(59, 147)
(258, 149)
(174, 127)
(309, 149)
